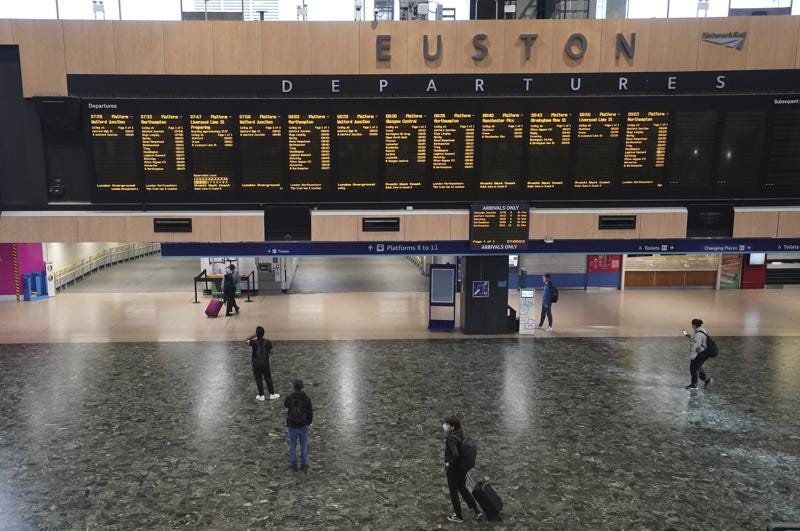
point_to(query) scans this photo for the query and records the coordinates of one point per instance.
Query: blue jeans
(298, 435)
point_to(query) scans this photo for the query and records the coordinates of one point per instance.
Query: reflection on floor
(575, 434)
(103, 317)
(151, 274)
(364, 273)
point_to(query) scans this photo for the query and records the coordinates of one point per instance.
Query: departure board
(740, 152)
(499, 226)
(783, 164)
(405, 151)
(501, 150)
(163, 152)
(113, 137)
(309, 152)
(357, 148)
(692, 151)
(261, 151)
(598, 145)
(212, 151)
(453, 150)
(549, 140)
(645, 156)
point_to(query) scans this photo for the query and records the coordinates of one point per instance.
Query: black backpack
(468, 454)
(711, 346)
(297, 412)
(553, 293)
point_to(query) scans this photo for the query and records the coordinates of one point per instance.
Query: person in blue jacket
(547, 303)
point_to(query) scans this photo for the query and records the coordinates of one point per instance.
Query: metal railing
(100, 260)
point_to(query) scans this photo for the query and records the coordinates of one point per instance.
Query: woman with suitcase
(459, 458)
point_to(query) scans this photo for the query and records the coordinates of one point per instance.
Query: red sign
(604, 263)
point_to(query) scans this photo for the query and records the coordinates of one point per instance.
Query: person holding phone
(698, 354)
(261, 370)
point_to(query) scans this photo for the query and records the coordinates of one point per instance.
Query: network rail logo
(733, 39)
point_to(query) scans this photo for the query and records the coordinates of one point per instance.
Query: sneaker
(549, 328)
(294, 466)
(692, 387)
(228, 314)
(274, 397)
(708, 382)
(304, 468)
(455, 518)
(479, 515)
(260, 397)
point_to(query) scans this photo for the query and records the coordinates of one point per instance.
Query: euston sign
(575, 46)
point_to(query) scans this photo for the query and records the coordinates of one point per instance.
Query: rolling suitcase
(488, 500)
(213, 308)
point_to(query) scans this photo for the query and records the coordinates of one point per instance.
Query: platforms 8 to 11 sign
(499, 226)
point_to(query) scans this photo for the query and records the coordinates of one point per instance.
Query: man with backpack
(230, 283)
(459, 458)
(549, 296)
(261, 370)
(701, 348)
(299, 418)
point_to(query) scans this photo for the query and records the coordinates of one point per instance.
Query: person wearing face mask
(459, 458)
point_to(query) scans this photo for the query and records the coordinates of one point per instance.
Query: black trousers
(231, 300)
(457, 483)
(547, 311)
(263, 371)
(696, 368)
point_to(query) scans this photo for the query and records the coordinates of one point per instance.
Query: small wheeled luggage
(213, 308)
(488, 500)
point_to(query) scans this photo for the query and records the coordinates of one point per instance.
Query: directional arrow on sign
(369, 248)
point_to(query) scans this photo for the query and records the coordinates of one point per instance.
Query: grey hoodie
(698, 342)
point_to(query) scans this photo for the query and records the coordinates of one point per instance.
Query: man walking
(547, 303)
(261, 370)
(230, 283)
(698, 353)
(299, 418)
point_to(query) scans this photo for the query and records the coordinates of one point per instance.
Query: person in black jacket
(456, 469)
(261, 370)
(299, 418)
(230, 283)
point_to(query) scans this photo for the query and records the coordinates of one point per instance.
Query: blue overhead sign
(462, 248)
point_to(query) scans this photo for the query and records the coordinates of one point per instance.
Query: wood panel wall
(755, 223)
(51, 49)
(581, 224)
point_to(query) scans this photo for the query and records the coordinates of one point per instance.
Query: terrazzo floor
(575, 433)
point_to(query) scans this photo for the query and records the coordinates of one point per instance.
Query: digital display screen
(740, 153)
(783, 163)
(501, 150)
(597, 147)
(163, 152)
(443, 150)
(114, 149)
(405, 148)
(309, 152)
(261, 151)
(692, 152)
(453, 150)
(357, 147)
(549, 141)
(499, 226)
(645, 154)
(211, 151)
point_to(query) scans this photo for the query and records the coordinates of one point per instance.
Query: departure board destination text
(211, 151)
(453, 150)
(114, 149)
(549, 141)
(309, 152)
(261, 151)
(163, 152)
(405, 148)
(501, 154)
(357, 147)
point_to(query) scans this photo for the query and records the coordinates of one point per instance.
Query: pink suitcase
(213, 308)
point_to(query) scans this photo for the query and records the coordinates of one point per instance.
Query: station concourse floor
(130, 411)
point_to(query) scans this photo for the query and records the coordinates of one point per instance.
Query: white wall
(64, 254)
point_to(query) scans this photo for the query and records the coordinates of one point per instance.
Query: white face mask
(446, 427)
